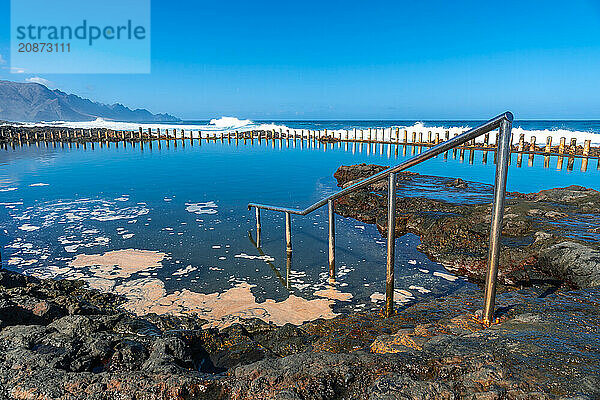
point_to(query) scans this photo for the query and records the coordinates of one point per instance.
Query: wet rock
(574, 262)
(544, 346)
(234, 346)
(568, 194)
(555, 215)
(541, 236)
(456, 233)
(28, 310)
(458, 183)
(348, 175)
(328, 139)
(76, 327)
(286, 340)
(168, 355)
(307, 376)
(402, 386)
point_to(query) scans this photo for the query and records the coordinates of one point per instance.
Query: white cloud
(37, 79)
(16, 70)
(2, 60)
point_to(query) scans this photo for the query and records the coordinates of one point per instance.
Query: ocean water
(184, 208)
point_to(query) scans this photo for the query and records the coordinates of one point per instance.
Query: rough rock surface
(60, 341)
(547, 236)
(573, 261)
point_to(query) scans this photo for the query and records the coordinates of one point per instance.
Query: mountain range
(34, 102)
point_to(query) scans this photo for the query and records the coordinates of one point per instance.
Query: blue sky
(357, 60)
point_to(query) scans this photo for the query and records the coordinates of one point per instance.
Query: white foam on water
(402, 296)
(107, 214)
(72, 248)
(209, 207)
(16, 203)
(185, 271)
(230, 123)
(10, 189)
(420, 289)
(28, 228)
(128, 236)
(39, 184)
(264, 258)
(445, 276)
(15, 260)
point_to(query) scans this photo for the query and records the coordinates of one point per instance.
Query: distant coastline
(34, 102)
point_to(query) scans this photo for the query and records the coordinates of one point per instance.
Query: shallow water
(189, 202)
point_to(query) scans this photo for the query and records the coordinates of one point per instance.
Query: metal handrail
(503, 122)
(432, 152)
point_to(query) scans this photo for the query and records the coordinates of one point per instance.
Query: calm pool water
(190, 203)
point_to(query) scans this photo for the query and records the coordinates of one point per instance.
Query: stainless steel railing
(502, 122)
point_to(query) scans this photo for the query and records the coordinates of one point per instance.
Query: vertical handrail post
(330, 206)
(258, 228)
(497, 216)
(391, 247)
(288, 232)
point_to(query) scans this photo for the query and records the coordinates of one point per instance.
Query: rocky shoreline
(59, 340)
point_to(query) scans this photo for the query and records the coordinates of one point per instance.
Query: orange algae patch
(148, 295)
(119, 263)
(109, 272)
(333, 294)
(397, 343)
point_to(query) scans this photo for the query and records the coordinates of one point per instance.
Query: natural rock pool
(169, 228)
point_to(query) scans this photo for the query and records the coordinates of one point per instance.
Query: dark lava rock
(572, 261)
(546, 345)
(456, 233)
(328, 139)
(543, 347)
(51, 350)
(458, 183)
